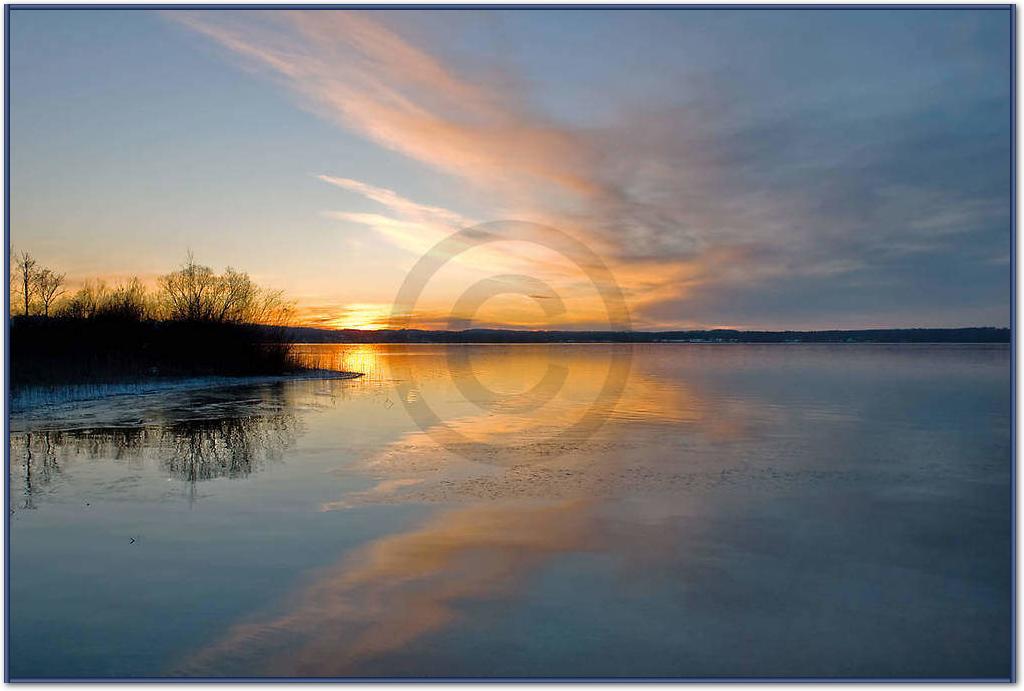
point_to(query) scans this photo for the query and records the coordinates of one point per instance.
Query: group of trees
(40, 287)
(193, 293)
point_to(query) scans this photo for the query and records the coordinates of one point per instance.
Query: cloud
(753, 182)
(363, 75)
(398, 203)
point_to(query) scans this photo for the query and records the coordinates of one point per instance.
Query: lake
(557, 510)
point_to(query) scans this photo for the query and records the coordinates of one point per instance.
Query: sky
(771, 169)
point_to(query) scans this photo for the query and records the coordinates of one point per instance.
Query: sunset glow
(324, 152)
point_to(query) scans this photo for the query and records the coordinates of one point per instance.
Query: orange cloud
(646, 199)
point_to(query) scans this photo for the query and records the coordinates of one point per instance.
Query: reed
(68, 350)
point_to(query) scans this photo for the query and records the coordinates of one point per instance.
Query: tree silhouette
(196, 323)
(196, 293)
(49, 286)
(26, 266)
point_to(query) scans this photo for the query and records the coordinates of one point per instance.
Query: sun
(363, 316)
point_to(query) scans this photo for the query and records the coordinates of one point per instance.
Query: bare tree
(87, 301)
(12, 280)
(49, 286)
(195, 293)
(124, 301)
(26, 267)
(187, 293)
(127, 301)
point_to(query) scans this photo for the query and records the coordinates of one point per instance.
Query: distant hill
(967, 335)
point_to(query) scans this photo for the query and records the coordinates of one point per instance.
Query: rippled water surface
(549, 510)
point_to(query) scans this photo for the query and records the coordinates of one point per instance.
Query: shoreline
(643, 343)
(34, 398)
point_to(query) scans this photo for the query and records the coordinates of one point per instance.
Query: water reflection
(204, 435)
(684, 429)
(401, 588)
(516, 451)
(729, 490)
(228, 447)
(529, 500)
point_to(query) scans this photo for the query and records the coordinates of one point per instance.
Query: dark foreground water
(562, 510)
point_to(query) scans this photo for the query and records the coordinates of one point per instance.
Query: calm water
(742, 510)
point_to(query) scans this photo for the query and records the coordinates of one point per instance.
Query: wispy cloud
(398, 203)
(352, 68)
(731, 195)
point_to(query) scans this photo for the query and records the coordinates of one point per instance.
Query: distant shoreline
(708, 343)
(969, 335)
